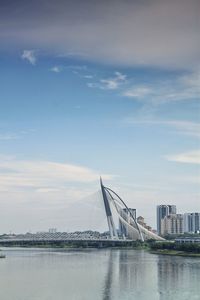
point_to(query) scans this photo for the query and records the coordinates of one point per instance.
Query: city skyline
(72, 109)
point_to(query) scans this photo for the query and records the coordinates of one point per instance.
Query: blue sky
(72, 109)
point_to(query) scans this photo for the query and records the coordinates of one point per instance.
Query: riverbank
(175, 253)
(175, 249)
(159, 248)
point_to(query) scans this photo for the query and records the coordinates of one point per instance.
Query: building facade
(192, 222)
(163, 211)
(172, 224)
(141, 221)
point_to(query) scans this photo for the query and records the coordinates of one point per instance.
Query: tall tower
(163, 211)
(111, 225)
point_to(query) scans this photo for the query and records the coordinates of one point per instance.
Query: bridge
(129, 229)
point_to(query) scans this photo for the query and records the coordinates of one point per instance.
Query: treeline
(69, 244)
(186, 247)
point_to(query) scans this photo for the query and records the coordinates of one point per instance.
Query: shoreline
(175, 253)
(170, 252)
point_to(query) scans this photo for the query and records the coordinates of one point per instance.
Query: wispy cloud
(112, 83)
(181, 88)
(56, 69)
(191, 157)
(156, 92)
(8, 136)
(30, 56)
(43, 174)
(138, 92)
(88, 76)
(185, 127)
(181, 126)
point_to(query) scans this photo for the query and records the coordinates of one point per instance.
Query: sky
(90, 88)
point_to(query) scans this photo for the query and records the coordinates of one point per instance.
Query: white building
(172, 224)
(163, 211)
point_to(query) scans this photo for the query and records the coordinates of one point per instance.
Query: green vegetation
(74, 244)
(172, 248)
(175, 253)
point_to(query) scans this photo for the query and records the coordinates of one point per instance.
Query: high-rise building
(172, 224)
(163, 211)
(192, 222)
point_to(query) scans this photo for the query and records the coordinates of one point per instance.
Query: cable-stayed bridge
(117, 214)
(131, 229)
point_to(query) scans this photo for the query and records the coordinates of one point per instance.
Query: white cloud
(88, 76)
(29, 55)
(183, 127)
(112, 83)
(56, 69)
(181, 88)
(38, 194)
(191, 157)
(43, 175)
(92, 85)
(138, 92)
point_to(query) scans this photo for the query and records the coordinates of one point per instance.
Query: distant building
(172, 224)
(141, 221)
(192, 222)
(52, 230)
(125, 214)
(163, 211)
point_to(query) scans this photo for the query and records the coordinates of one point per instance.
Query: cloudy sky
(93, 88)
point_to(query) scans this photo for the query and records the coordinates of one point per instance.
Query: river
(49, 274)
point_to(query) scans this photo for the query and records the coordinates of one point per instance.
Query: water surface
(47, 274)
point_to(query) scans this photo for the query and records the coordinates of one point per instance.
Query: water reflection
(107, 289)
(140, 275)
(178, 276)
(97, 274)
(127, 274)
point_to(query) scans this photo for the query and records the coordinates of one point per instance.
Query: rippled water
(34, 274)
